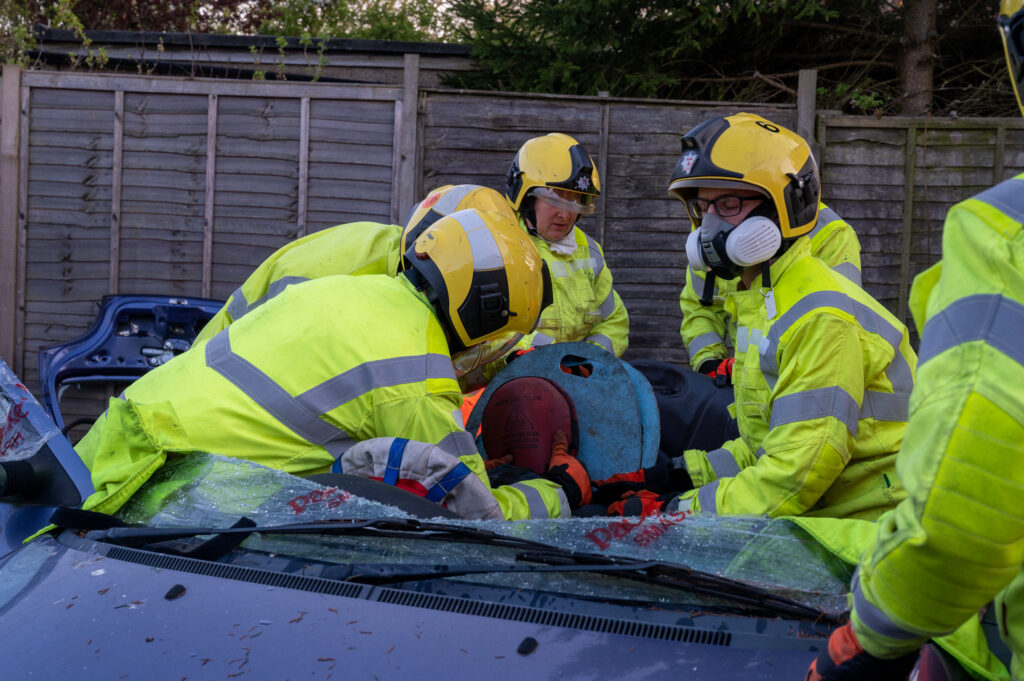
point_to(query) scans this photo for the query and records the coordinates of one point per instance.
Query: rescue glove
(565, 470)
(718, 369)
(666, 475)
(642, 503)
(846, 660)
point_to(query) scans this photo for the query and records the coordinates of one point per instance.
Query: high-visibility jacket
(295, 382)
(822, 380)
(704, 327)
(957, 541)
(585, 307)
(354, 248)
(849, 538)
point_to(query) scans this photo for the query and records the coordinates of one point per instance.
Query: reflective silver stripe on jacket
(746, 336)
(542, 339)
(697, 283)
(302, 414)
(239, 306)
(534, 501)
(826, 216)
(602, 340)
(265, 392)
(558, 269)
(679, 505)
(702, 341)
(992, 318)
(815, 404)
(706, 497)
(596, 258)
(873, 617)
(893, 406)
(608, 306)
(723, 463)
(381, 373)
(850, 271)
(1006, 198)
(458, 443)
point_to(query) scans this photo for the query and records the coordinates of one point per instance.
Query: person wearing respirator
(823, 372)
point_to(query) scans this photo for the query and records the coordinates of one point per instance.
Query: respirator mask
(726, 249)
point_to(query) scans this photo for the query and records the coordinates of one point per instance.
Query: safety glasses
(725, 206)
(574, 202)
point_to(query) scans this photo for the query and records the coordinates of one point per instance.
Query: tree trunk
(918, 61)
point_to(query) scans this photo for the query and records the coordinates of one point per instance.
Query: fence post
(211, 182)
(910, 178)
(406, 155)
(10, 125)
(115, 195)
(602, 164)
(806, 101)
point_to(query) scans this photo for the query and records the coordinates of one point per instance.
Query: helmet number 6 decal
(768, 126)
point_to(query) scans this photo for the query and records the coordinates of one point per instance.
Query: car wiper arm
(655, 572)
(674, 575)
(409, 528)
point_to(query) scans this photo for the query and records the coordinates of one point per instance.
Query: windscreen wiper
(552, 558)
(401, 528)
(661, 573)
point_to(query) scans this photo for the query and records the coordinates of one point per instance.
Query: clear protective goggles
(479, 355)
(563, 199)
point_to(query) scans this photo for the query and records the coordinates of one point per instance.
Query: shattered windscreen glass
(201, 490)
(22, 429)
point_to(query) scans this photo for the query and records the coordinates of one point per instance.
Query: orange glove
(845, 660)
(490, 464)
(719, 370)
(642, 503)
(666, 475)
(567, 471)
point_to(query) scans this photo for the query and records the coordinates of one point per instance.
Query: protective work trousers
(705, 327)
(293, 385)
(585, 307)
(956, 544)
(354, 248)
(822, 380)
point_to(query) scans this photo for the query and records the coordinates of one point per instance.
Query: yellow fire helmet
(1011, 29)
(482, 274)
(447, 200)
(747, 151)
(548, 163)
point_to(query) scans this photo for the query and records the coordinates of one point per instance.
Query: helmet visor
(563, 199)
(479, 355)
(1012, 31)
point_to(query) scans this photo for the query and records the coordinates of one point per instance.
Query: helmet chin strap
(709, 289)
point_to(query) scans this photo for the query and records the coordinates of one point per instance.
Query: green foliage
(733, 50)
(415, 20)
(639, 48)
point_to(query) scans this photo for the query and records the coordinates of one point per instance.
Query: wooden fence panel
(895, 179)
(163, 173)
(139, 184)
(162, 185)
(67, 224)
(253, 198)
